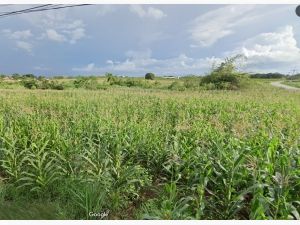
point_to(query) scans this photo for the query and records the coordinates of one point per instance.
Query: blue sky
(135, 39)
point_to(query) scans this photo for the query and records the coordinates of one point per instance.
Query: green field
(150, 153)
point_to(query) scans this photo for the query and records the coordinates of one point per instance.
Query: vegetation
(224, 76)
(267, 75)
(293, 83)
(42, 83)
(294, 77)
(149, 76)
(150, 154)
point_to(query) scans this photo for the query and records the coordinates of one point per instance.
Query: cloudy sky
(135, 39)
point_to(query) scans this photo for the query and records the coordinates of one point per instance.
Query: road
(280, 85)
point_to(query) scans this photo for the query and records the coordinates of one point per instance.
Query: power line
(40, 8)
(23, 10)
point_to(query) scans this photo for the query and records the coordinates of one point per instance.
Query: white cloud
(24, 46)
(155, 13)
(71, 25)
(21, 34)
(149, 12)
(53, 35)
(219, 23)
(56, 26)
(140, 62)
(273, 51)
(76, 35)
(19, 38)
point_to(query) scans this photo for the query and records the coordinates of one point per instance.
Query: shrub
(30, 84)
(225, 76)
(127, 82)
(56, 86)
(176, 86)
(190, 83)
(42, 84)
(85, 82)
(149, 76)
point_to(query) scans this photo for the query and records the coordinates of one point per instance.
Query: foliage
(224, 76)
(210, 155)
(86, 82)
(128, 82)
(30, 83)
(176, 86)
(294, 77)
(16, 76)
(267, 75)
(149, 76)
(42, 84)
(30, 76)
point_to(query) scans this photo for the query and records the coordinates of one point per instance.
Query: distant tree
(16, 76)
(109, 76)
(267, 75)
(294, 77)
(28, 76)
(41, 77)
(149, 76)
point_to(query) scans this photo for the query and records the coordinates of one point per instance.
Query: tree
(109, 76)
(224, 76)
(16, 76)
(149, 76)
(29, 76)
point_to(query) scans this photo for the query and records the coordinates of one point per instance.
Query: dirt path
(280, 85)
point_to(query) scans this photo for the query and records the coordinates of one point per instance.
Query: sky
(135, 39)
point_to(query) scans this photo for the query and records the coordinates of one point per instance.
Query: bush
(30, 84)
(42, 84)
(224, 76)
(176, 86)
(191, 83)
(85, 82)
(149, 76)
(56, 86)
(127, 82)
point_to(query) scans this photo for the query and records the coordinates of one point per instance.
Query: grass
(150, 154)
(293, 83)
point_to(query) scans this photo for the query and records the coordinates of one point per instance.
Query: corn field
(150, 154)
